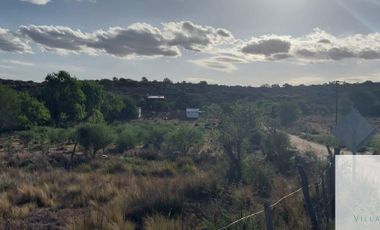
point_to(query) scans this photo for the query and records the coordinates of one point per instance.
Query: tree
(32, 111)
(64, 98)
(288, 113)
(167, 81)
(127, 139)
(366, 102)
(182, 139)
(238, 126)
(112, 106)
(94, 137)
(276, 146)
(130, 110)
(94, 94)
(9, 108)
(155, 135)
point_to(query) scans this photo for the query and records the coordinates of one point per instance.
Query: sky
(233, 42)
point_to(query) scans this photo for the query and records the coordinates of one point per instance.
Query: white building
(192, 113)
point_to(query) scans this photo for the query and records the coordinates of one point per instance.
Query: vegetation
(160, 171)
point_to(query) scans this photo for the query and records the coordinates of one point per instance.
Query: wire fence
(271, 206)
(261, 211)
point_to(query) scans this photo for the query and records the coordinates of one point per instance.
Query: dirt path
(304, 146)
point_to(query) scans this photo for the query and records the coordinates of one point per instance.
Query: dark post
(309, 205)
(268, 216)
(336, 103)
(327, 208)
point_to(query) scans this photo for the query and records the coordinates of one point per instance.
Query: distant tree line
(61, 101)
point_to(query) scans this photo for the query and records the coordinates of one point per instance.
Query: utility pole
(336, 102)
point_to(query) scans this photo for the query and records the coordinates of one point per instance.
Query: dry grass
(134, 193)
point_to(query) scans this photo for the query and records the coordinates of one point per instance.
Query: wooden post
(268, 216)
(325, 198)
(309, 205)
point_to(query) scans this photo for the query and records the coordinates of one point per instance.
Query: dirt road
(304, 146)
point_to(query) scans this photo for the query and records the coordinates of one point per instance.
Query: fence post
(327, 210)
(309, 205)
(268, 215)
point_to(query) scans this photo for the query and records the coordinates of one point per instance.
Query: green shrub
(127, 139)
(94, 137)
(260, 176)
(184, 138)
(276, 147)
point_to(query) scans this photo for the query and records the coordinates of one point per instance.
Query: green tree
(94, 137)
(183, 138)
(112, 106)
(365, 101)
(64, 98)
(130, 110)
(94, 94)
(9, 108)
(237, 128)
(288, 113)
(276, 147)
(127, 139)
(32, 111)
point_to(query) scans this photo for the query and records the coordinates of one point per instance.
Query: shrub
(162, 222)
(155, 135)
(276, 147)
(41, 196)
(27, 136)
(260, 176)
(184, 138)
(94, 137)
(127, 139)
(288, 113)
(32, 112)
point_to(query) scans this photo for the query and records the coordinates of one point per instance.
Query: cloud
(37, 2)
(307, 80)
(58, 39)
(219, 49)
(195, 37)
(139, 39)
(267, 47)
(10, 42)
(224, 63)
(17, 62)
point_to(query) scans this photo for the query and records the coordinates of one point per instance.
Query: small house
(192, 113)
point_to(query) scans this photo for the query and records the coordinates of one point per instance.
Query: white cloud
(10, 42)
(17, 62)
(37, 2)
(219, 48)
(195, 37)
(307, 80)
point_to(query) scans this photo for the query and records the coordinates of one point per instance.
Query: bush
(276, 147)
(260, 176)
(184, 138)
(32, 112)
(155, 134)
(94, 137)
(27, 136)
(127, 139)
(288, 113)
